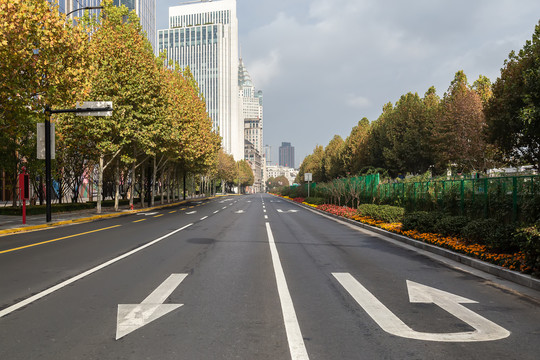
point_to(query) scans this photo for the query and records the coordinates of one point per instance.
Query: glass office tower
(204, 36)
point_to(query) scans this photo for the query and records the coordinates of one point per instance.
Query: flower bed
(515, 261)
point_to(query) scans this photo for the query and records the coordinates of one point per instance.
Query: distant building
(268, 154)
(204, 37)
(286, 155)
(145, 10)
(273, 171)
(253, 157)
(251, 103)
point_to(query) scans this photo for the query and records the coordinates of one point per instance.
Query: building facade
(204, 37)
(145, 10)
(286, 155)
(273, 171)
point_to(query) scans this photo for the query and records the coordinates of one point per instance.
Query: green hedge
(41, 209)
(529, 240)
(315, 200)
(422, 221)
(386, 213)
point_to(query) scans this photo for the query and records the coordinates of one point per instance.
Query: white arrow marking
(133, 316)
(191, 212)
(485, 330)
(288, 211)
(148, 213)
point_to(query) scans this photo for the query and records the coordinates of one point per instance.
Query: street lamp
(84, 8)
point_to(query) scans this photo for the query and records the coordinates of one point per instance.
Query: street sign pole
(48, 181)
(94, 108)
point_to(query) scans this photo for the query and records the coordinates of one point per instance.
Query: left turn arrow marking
(130, 317)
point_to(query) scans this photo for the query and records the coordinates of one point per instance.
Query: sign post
(308, 177)
(88, 108)
(24, 191)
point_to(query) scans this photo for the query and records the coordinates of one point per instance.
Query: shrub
(451, 225)
(477, 231)
(529, 242)
(386, 213)
(315, 200)
(421, 221)
(492, 233)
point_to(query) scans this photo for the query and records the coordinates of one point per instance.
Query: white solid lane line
(52, 289)
(295, 339)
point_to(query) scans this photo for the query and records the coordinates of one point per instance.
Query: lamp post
(84, 8)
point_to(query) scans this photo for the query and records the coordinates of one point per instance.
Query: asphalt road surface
(247, 277)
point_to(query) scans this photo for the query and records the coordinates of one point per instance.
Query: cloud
(328, 63)
(265, 68)
(358, 102)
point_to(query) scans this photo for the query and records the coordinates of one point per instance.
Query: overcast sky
(325, 64)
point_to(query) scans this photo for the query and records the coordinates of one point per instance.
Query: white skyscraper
(204, 36)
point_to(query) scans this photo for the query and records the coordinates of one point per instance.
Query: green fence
(508, 199)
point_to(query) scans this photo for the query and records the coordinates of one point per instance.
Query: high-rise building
(286, 155)
(204, 37)
(252, 108)
(145, 10)
(251, 103)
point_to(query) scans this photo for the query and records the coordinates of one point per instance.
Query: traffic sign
(96, 108)
(41, 141)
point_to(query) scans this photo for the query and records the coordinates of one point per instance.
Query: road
(247, 277)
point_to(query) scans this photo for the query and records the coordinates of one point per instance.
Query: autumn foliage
(159, 130)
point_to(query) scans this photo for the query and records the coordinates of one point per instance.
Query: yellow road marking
(53, 240)
(158, 215)
(183, 209)
(139, 220)
(170, 212)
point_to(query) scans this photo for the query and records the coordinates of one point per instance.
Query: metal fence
(508, 199)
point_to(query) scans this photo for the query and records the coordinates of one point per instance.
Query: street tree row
(159, 133)
(470, 129)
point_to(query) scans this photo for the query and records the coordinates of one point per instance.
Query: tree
(408, 127)
(226, 169)
(513, 113)
(482, 86)
(43, 60)
(126, 74)
(355, 151)
(276, 182)
(333, 159)
(459, 132)
(245, 174)
(312, 164)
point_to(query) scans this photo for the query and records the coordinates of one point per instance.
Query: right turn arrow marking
(484, 329)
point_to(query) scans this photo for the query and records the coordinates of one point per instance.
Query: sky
(325, 64)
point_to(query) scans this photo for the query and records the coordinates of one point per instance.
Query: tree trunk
(184, 184)
(132, 186)
(162, 188)
(169, 187)
(100, 184)
(117, 185)
(143, 188)
(153, 185)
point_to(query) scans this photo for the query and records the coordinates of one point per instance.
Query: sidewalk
(10, 224)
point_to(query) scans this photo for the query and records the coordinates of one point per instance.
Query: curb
(513, 276)
(92, 218)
